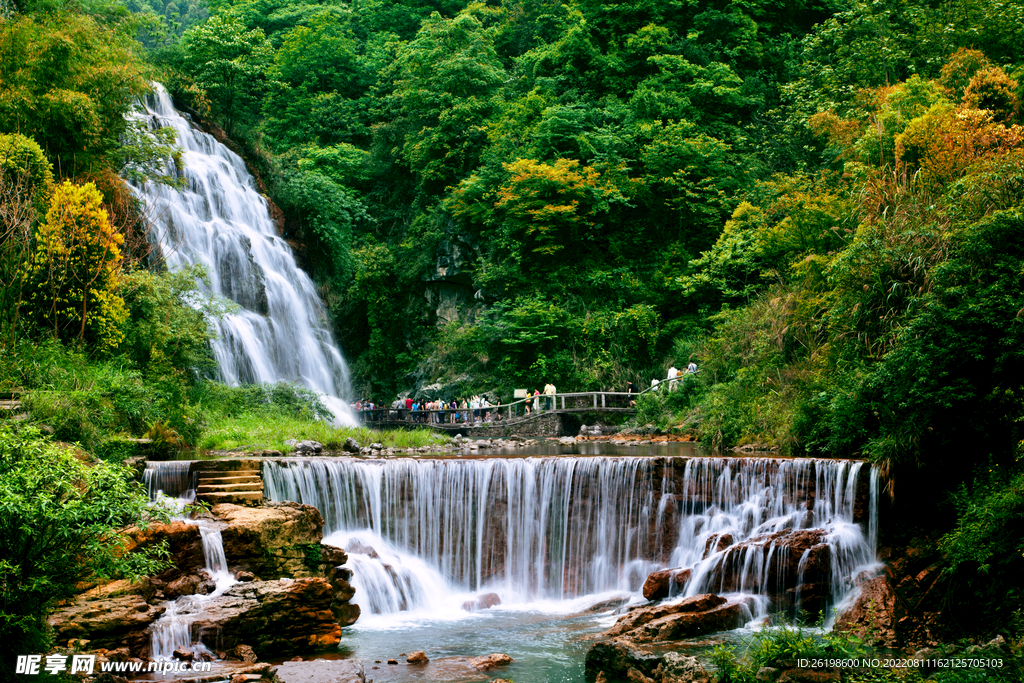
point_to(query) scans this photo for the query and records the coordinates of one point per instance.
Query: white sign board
(520, 393)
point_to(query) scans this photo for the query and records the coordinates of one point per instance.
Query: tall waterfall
(219, 220)
(788, 532)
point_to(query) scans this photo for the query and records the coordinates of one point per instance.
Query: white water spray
(221, 222)
(553, 529)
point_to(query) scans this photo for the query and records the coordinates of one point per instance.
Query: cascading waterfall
(556, 528)
(173, 630)
(220, 221)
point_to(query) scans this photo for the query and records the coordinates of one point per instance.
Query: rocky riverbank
(290, 594)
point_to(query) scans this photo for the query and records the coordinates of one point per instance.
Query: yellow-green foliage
(74, 274)
(25, 170)
(26, 182)
(66, 81)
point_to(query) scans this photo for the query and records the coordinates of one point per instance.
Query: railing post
(602, 400)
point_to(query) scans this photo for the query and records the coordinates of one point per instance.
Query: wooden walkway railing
(591, 401)
(575, 402)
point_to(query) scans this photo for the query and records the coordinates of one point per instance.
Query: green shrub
(61, 514)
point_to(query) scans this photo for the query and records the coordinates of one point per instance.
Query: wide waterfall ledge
(425, 536)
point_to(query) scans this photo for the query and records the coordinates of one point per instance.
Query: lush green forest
(820, 203)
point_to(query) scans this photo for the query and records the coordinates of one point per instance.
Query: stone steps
(240, 498)
(240, 487)
(242, 479)
(230, 488)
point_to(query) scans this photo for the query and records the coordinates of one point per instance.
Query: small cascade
(789, 533)
(388, 581)
(173, 629)
(220, 221)
(172, 478)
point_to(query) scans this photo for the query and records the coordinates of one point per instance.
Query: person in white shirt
(673, 372)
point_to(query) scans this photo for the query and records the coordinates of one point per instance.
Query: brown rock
(642, 615)
(244, 653)
(614, 658)
(490, 662)
(485, 601)
(108, 621)
(691, 624)
(678, 668)
(184, 542)
(183, 585)
(269, 540)
(333, 554)
(873, 614)
(245, 577)
(184, 654)
(239, 678)
(717, 543)
(418, 657)
(392, 661)
(633, 675)
(659, 584)
(273, 617)
(346, 614)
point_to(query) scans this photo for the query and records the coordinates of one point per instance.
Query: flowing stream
(220, 221)
(533, 555)
(173, 630)
(424, 534)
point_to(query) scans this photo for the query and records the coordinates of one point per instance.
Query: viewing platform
(538, 416)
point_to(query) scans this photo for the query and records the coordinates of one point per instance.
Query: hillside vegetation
(820, 203)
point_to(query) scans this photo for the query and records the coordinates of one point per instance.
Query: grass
(266, 416)
(271, 431)
(782, 647)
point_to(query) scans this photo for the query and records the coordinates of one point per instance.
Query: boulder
(661, 584)
(107, 620)
(490, 662)
(614, 659)
(691, 624)
(319, 670)
(639, 616)
(484, 601)
(350, 445)
(274, 618)
(184, 654)
(308, 447)
(678, 668)
(243, 653)
(717, 543)
(271, 541)
(184, 585)
(418, 657)
(873, 614)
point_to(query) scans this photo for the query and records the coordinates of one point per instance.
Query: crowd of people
(480, 408)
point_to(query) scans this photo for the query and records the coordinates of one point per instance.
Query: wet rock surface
(106, 619)
(273, 617)
(490, 662)
(662, 584)
(322, 671)
(639, 616)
